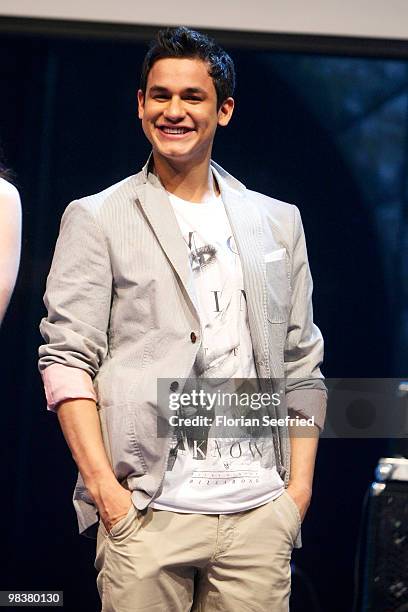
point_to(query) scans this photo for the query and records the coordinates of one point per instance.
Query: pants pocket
(123, 527)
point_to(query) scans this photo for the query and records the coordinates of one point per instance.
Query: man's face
(179, 111)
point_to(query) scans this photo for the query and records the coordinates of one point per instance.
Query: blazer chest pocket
(278, 290)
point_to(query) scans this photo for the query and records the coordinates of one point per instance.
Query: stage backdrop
(328, 133)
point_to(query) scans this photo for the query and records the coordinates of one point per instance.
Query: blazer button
(174, 386)
(193, 337)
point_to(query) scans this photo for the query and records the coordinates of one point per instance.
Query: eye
(202, 257)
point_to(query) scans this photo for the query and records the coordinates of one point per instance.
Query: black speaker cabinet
(385, 585)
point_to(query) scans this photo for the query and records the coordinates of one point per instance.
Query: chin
(173, 154)
(173, 150)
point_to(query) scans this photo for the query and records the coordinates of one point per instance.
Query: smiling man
(180, 110)
(181, 273)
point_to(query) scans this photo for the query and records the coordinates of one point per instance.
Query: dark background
(327, 132)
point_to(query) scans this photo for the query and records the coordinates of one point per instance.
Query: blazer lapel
(159, 212)
(247, 229)
(246, 226)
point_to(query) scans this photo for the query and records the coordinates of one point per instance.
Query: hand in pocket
(114, 503)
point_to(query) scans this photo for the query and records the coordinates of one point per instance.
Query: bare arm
(10, 242)
(303, 441)
(80, 424)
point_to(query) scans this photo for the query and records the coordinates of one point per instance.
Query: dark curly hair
(183, 42)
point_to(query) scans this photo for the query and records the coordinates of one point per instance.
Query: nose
(174, 110)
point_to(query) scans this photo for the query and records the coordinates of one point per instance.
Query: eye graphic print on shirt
(225, 354)
(221, 300)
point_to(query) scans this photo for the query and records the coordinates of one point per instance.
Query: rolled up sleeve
(306, 392)
(77, 298)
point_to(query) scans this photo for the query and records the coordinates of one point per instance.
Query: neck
(192, 182)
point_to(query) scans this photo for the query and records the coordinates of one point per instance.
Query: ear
(140, 103)
(225, 111)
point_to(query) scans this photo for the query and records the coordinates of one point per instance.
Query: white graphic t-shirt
(208, 474)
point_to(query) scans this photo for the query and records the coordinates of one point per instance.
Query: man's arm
(78, 300)
(302, 462)
(81, 427)
(306, 394)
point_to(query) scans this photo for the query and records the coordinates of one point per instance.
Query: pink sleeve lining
(63, 382)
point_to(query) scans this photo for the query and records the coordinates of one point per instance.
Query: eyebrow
(188, 90)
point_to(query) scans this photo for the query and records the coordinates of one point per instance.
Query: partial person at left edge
(10, 238)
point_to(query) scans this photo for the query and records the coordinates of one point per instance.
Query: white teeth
(169, 130)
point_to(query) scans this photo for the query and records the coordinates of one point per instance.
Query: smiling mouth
(174, 130)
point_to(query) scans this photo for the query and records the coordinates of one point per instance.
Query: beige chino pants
(159, 561)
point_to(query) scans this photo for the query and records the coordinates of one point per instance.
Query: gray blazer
(121, 312)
